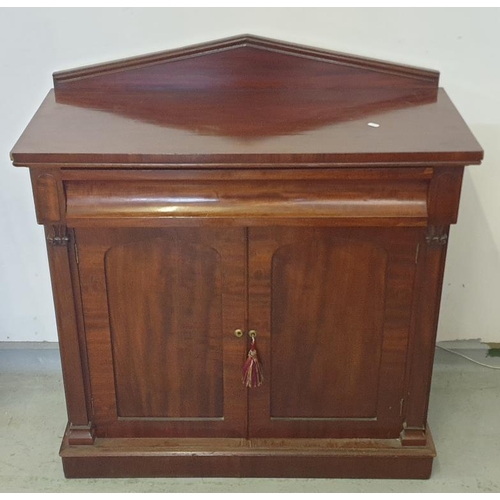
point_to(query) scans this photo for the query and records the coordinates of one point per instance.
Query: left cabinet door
(160, 308)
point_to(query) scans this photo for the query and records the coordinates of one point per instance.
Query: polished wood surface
(318, 458)
(335, 344)
(247, 184)
(166, 327)
(262, 100)
(224, 64)
(333, 371)
(160, 308)
(427, 133)
(425, 320)
(155, 202)
(65, 288)
(250, 115)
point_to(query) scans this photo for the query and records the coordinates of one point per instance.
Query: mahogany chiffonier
(246, 241)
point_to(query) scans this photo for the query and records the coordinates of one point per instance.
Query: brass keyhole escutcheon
(238, 333)
(252, 334)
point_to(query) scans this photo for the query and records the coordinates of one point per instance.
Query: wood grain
(115, 201)
(160, 309)
(48, 195)
(166, 327)
(328, 367)
(73, 364)
(426, 133)
(297, 304)
(248, 184)
(274, 64)
(425, 323)
(249, 458)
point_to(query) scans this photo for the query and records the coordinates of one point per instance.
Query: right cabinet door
(332, 308)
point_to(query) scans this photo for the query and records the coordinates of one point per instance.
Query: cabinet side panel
(327, 323)
(165, 307)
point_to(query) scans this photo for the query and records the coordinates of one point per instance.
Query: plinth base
(212, 457)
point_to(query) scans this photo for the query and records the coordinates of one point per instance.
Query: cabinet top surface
(246, 101)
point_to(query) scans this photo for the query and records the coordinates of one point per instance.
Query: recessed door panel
(165, 316)
(332, 312)
(160, 310)
(327, 322)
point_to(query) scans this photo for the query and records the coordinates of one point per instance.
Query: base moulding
(228, 457)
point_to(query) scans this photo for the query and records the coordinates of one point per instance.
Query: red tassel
(252, 370)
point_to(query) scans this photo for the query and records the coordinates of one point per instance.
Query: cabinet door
(332, 309)
(160, 307)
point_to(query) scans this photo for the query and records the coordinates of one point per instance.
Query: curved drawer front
(324, 200)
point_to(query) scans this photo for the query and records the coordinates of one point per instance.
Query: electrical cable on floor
(470, 359)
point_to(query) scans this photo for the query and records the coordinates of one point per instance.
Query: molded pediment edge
(429, 78)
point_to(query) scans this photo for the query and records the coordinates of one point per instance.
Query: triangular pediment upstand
(243, 63)
(246, 87)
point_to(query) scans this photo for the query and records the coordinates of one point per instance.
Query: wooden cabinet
(247, 185)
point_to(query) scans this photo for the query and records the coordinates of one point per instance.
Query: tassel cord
(252, 375)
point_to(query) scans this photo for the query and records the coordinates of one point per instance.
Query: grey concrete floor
(464, 418)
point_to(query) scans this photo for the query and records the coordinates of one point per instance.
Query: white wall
(461, 43)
